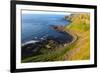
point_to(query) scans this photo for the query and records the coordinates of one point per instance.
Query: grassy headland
(80, 26)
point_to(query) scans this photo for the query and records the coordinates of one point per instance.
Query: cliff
(79, 21)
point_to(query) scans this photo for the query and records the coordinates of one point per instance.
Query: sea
(36, 27)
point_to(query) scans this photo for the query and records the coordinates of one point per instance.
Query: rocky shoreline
(50, 44)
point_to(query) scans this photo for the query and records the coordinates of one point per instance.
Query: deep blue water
(38, 26)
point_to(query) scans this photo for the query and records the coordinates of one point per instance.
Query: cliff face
(79, 21)
(79, 18)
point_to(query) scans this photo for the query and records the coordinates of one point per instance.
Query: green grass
(81, 27)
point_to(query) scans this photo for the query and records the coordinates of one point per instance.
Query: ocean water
(38, 27)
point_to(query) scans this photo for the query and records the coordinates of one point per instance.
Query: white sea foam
(29, 42)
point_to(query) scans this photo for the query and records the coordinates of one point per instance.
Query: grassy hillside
(79, 26)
